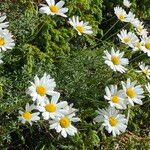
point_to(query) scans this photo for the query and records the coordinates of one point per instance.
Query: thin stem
(109, 30)
(137, 57)
(116, 32)
(108, 20)
(101, 41)
(128, 115)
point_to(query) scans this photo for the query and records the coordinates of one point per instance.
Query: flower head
(131, 18)
(113, 122)
(133, 92)
(64, 125)
(120, 13)
(115, 60)
(53, 8)
(115, 97)
(52, 109)
(6, 40)
(80, 26)
(41, 88)
(128, 38)
(146, 45)
(139, 27)
(137, 45)
(144, 69)
(126, 3)
(28, 116)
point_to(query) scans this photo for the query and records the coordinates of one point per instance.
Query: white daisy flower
(63, 124)
(115, 97)
(148, 88)
(3, 24)
(115, 60)
(113, 122)
(144, 69)
(133, 92)
(139, 27)
(52, 109)
(137, 46)
(128, 38)
(80, 26)
(53, 8)
(28, 116)
(146, 45)
(126, 3)
(41, 88)
(120, 13)
(130, 17)
(6, 40)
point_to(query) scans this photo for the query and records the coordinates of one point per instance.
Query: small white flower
(133, 92)
(144, 69)
(53, 8)
(146, 45)
(41, 88)
(80, 26)
(128, 38)
(131, 17)
(64, 125)
(6, 40)
(139, 27)
(115, 60)
(52, 109)
(148, 88)
(126, 3)
(115, 97)
(28, 116)
(120, 13)
(137, 46)
(113, 122)
(3, 24)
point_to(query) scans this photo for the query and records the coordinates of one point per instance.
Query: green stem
(116, 32)
(109, 30)
(128, 115)
(137, 57)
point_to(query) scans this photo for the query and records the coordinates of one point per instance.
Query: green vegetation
(49, 44)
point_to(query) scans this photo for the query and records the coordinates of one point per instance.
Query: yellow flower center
(27, 115)
(41, 90)
(126, 40)
(113, 121)
(140, 28)
(64, 122)
(145, 71)
(138, 45)
(80, 29)
(2, 41)
(131, 92)
(54, 9)
(147, 45)
(50, 107)
(115, 99)
(121, 17)
(115, 60)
